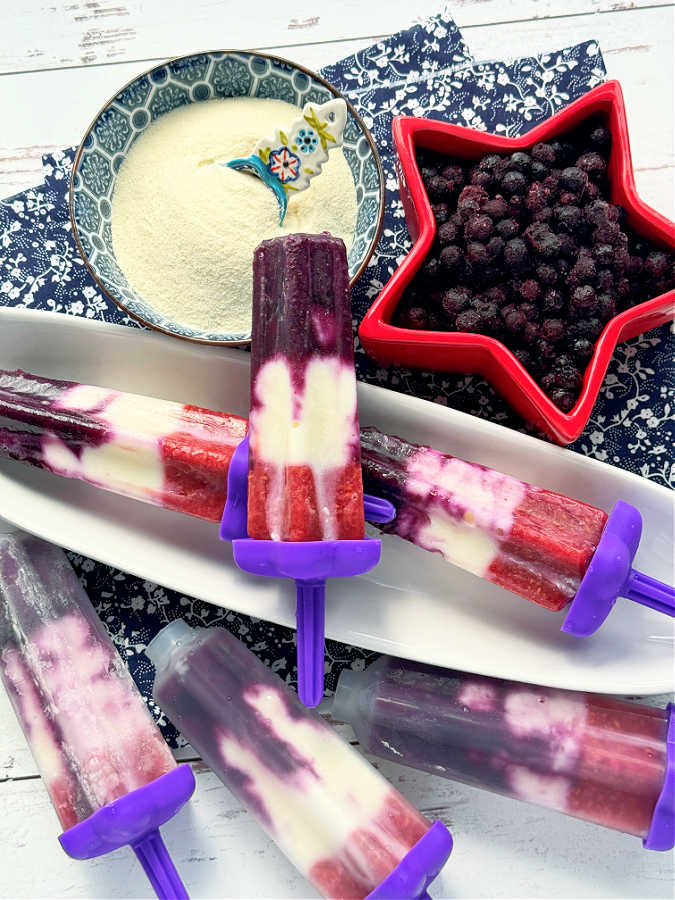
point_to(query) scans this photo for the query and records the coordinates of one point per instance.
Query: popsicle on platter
(304, 467)
(534, 542)
(170, 454)
(597, 758)
(91, 735)
(336, 818)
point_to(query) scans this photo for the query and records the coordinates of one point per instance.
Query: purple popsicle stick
(310, 563)
(610, 575)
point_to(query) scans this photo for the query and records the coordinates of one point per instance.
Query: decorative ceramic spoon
(287, 161)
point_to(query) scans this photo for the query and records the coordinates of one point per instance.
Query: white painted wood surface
(59, 61)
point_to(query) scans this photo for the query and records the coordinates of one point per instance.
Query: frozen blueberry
(496, 207)
(456, 300)
(539, 170)
(507, 228)
(470, 201)
(469, 320)
(519, 162)
(515, 321)
(530, 310)
(604, 254)
(552, 329)
(608, 233)
(479, 228)
(454, 176)
(476, 253)
(495, 248)
(546, 274)
(515, 254)
(524, 358)
(593, 165)
(568, 377)
(530, 289)
(544, 348)
(490, 162)
(414, 317)
(584, 298)
(530, 333)
(606, 306)
(582, 349)
(622, 287)
(604, 280)
(553, 301)
(568, 218)
(634, 267)
(437, 188)
(545, 214)
(481, 177)
(495, 295)
(514, 182)
(489, 316)
(449, 231)
(542, 240)
(451, 258)
(656, 264)
(568, 246)
(563, 399)
(544, 153)
(441, 212)
(600, 138)
(597, 212)
(537, 197)
(583, 272)
(573, 179)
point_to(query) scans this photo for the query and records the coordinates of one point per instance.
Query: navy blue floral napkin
(632, 424)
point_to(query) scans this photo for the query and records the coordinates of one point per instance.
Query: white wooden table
(59, 61)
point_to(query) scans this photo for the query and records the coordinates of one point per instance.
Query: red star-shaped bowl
(460, 352)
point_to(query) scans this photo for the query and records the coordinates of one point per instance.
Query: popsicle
(336, 818)
(305, 493)
(304, 466)
(597, 758)
(170, 454)
(544, 546)
(111, 778)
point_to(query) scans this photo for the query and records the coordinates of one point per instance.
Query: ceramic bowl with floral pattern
(194, 79)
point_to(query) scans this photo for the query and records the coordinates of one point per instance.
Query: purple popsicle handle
(610, 575)
(310, 615)
(661, 834)
(134, 819)
(649, 592)
(158, 866)
(418, 868)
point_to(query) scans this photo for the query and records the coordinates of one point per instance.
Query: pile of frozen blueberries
(529, 250)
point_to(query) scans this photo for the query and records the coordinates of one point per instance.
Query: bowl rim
(270, 56)
(382, 339)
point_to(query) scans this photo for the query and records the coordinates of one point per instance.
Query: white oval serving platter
(414, 604)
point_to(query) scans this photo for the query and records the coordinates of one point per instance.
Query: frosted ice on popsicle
(166, 453)
(597, 758)
(304, 469)
(534, 542)
(336, 818)
(111, 778)
(92, 736)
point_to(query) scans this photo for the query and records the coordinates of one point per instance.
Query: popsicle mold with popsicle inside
(602, 759)
(110, 776)
(336, 818)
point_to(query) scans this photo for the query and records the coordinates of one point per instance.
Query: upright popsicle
(305, 492)
(597, 758)
(111, 778)
(336, 818)
(544, 546)
(170, 454)
(304, 462)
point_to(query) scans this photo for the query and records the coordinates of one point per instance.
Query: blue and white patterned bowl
(193, 79)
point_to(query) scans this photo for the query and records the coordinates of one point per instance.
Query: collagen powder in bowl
(167, 232)
(184, 228)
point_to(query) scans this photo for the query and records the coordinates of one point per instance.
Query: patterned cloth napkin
(426, 70)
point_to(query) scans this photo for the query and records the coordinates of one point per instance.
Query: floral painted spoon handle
(288, 160)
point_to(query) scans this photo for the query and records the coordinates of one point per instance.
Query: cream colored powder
(184, 231)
